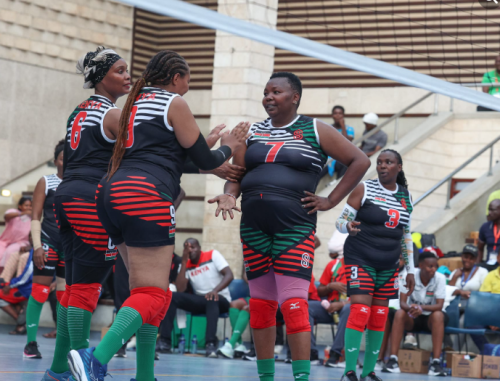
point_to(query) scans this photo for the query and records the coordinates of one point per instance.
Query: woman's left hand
(316, 202)
(410, 284)
(225, 204)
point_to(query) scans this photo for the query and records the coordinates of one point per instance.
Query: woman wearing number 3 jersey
(89, 254)
(284, 157)
(377, 218)
(135, 204)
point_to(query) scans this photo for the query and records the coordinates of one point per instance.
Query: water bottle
(194, 345)
(182, 344)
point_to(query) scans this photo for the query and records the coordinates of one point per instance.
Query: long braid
(401, 179)
(160, 70)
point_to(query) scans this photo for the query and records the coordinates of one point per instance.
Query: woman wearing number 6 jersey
(135, 204)
(284, 158)
(377, 218)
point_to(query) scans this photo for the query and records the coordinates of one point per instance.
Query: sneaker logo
(376, 352)
(31, 325)
(300, 375)
(364, 309)
(294, 306)
(352, 350)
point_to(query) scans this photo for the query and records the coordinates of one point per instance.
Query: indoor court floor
(170, 367)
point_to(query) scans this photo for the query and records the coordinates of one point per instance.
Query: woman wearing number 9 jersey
(377, 218)
(135, 203)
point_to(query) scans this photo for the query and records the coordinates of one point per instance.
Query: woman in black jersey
(377, 217)
(89, 253)
(48, 256)
(135, 204)
(284, 157)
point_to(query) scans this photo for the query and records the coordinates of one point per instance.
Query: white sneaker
(131, 344)
(379, 366)
(410, 342)
(227, 351)
(241, 349)
(278, 349)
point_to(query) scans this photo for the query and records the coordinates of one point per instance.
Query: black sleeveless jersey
(151, 145)
(49, 224)
(283, 160)
(383, 216)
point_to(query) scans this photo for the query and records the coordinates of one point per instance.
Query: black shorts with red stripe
(54, 253)
(277, 232)
(136, 208)
(367, 280)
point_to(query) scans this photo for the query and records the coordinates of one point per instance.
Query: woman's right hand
(226, 204)
(39, 258)
(351, 228)
(237, 136)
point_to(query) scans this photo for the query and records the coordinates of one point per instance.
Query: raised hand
(215, 135)
(225, 204)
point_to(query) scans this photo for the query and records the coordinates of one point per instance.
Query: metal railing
(450, 176)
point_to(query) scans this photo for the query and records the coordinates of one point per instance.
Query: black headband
(95, 65)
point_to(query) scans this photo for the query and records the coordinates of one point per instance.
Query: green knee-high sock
(301, 369)
(233, 316)
(79, 327)
(60, 360)
(145, 357)
(240, 326)
(127, 322)
(352, 344)
(373, 342)
(33, 318)
(265, 368)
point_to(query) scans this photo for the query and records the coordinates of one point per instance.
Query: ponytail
(401, 179)
(160, 70)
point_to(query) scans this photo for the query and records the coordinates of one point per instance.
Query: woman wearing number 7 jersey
(157, 131)
(284, 158)
(377, 218)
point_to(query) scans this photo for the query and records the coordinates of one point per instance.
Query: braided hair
(293, 80)
(401, 179)
(160, 70)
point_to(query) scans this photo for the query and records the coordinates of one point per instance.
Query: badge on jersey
(111, 252)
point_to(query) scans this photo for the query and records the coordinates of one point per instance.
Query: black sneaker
(211, 351)
(314, 357)
(334, 361)
(288, 358)
(250, 356)
(122, 352)
(31, 351)
(349, 376)
(435, 369)
(163, 347)
(371, 377)
(392, 366)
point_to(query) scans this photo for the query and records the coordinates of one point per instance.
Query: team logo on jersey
(247, 266)
(403, 203)
(354, 284)
(171, 232)
(262, 135)
(380, 199)
(298, 134)
(305, 260)
(111, 252)
(429, 294)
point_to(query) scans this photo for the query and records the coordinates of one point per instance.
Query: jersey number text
(76, 129)
(273, 152)
(130, 130)
(393, 220)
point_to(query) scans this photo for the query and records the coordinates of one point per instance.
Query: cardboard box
(466, 365)
(414, 361)
(491, 367)
(474, 235)
(452, 263)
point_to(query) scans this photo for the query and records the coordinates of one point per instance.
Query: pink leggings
(279, 288)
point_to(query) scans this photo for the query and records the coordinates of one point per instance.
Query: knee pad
(296, 315)
(39, 292)
(85, 296)
(359, 316)
(148, 301)
(156, 321)
(64, 301)
(262, 313)
(378, 317)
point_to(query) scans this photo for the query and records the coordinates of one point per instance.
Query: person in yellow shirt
(492, 282)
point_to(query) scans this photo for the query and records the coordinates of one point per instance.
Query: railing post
(436, 104)
(448, 195)
(451, 104)
(396, 128)
(490, 168)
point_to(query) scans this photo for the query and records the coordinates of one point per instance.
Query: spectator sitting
(489, 236)
(336, 244)
(17, 230)
(421, 311)
(492, 282)
(209, 275)
(347, 131)
(375, 142)
(491, 77)
(493, 196)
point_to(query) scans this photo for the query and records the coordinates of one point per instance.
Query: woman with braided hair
(135, 203)
(377, 217)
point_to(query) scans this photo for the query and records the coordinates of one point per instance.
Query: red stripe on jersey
(134, 182)
(155, 218)
(288, 263)
(80, 222)
(86, 229)
(259, 261)
(136, 188)
(137, 177)
(99, 186)
(84, 216)
(127, 194)
(304, 247)
(79, 203)
(284, 268)
(150, 211)
(143, 205)
(253, 257)
(136, 199)
(90, 235)
(94, 242)
(164, 224)
(79, 210)
(261, 267)
(293, 251)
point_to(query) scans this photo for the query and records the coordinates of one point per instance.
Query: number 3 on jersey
(76, 129)
(393, 219)
(130, 130)
(273, 152)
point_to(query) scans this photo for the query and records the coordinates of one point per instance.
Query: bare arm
(434, 307)
(403, 302)
(181, 282)
(228, 278)
(9, 216)
(111, 123)
(486, 89)
(480, 250)
(38, 200)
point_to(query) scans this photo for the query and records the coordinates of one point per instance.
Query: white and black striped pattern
(51, 183)
(385, 199)
(151, 103)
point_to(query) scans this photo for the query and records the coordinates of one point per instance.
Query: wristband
(231, 195)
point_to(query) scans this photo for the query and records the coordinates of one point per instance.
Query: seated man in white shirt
(423, 310)
(209, 275)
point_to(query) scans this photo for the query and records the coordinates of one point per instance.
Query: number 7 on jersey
(273, 152)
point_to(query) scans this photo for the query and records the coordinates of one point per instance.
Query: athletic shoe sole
(436, 374)
(31, 356)
(219, 352)
(249, 358)
(330, 365)
(387, 370)
(409, 346)
(212, 355)
(76, 366)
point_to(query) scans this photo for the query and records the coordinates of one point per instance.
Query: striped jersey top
(49, 224)
(151, 145)
(284, 160)
(383, 216)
